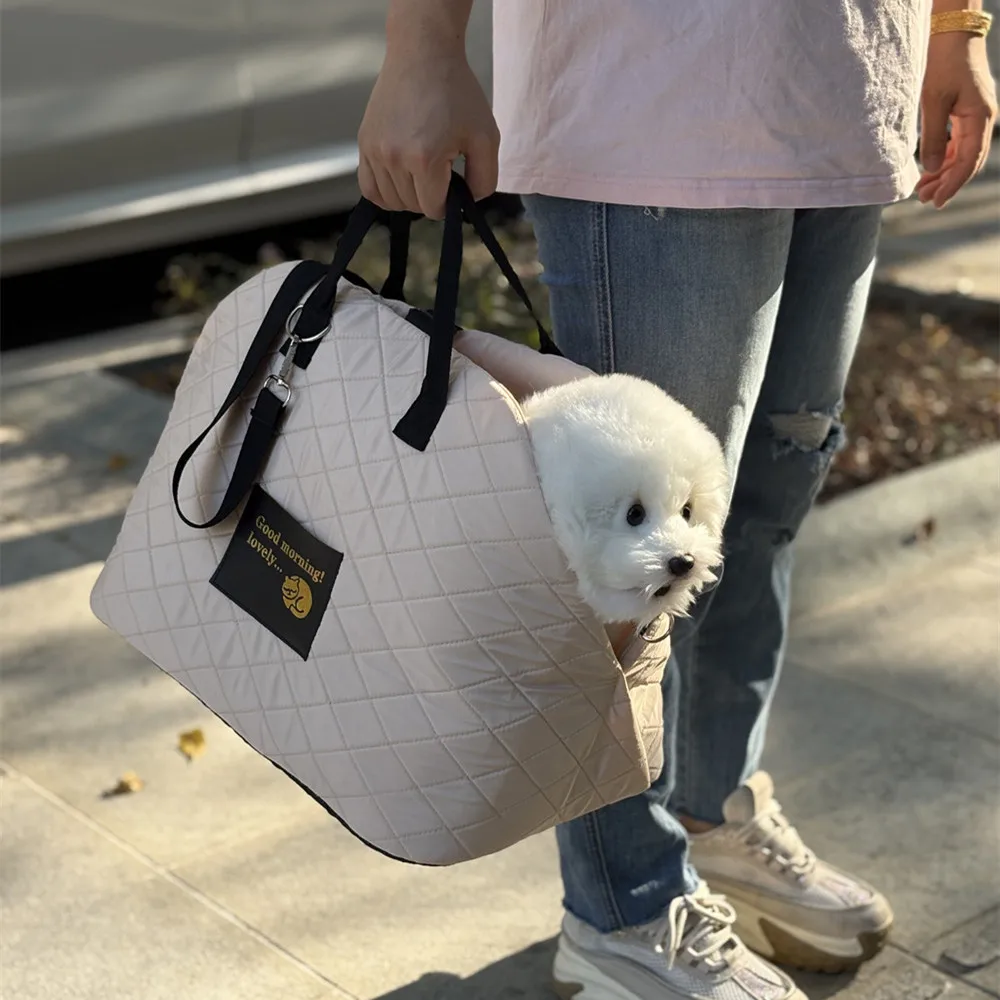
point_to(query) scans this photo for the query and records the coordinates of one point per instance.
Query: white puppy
(636, 488)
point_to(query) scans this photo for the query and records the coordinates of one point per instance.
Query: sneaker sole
(576, 978)
(784, 944)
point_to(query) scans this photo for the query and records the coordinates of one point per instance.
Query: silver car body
(126, 124)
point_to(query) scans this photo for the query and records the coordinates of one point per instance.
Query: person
(705, 181)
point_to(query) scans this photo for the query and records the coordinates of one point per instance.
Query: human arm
(427, 108)
(958, 89)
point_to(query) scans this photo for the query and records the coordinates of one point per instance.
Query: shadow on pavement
(521, 976)
(525, 975)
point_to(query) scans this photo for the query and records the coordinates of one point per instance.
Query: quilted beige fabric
(458, 695)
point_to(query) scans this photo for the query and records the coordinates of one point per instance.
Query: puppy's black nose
(680, 565)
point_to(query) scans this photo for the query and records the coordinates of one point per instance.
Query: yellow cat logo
(297, 596)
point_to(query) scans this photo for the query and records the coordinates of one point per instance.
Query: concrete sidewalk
(954, 253)
(220, 879)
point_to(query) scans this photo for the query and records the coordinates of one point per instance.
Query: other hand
(958, 89)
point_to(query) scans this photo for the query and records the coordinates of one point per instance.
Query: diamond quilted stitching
(178, 607)
(322, 731)
(410, 813)
(287, 731)
(384, 681)
(239, 688)
(378, 580)
(360, 534)
(464, 472)
(385, 772)
(440, 627)
(305, 768)
(448, 797)
(419, 676)
(271, 682)
(147, 609)
(343, 774)
(383, 480)
(349, 494)
(424, 481)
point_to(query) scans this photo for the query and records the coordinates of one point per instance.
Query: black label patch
(278, 572)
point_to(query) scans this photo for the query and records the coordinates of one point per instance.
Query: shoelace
(707, 937)
(773, 835)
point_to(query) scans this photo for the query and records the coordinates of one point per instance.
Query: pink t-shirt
(710, 103)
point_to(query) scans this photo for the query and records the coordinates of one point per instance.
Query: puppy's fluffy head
(636, 487)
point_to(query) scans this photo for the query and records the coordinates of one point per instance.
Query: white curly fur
(605, 443)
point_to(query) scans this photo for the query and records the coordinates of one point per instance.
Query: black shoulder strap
(266, 412)
(474, 213)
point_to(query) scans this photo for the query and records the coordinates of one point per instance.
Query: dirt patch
(923, 386)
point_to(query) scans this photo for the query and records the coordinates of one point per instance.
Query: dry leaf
(118, 461)
(191, 743)
(128, 783)
(925, 531)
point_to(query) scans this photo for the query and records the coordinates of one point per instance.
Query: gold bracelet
(976, 22)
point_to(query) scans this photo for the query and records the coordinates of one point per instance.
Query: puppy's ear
(711, 492)
(572, 529)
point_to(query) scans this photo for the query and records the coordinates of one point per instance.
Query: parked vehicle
(128, 124)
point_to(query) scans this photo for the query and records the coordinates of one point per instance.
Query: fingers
(986, 141)
(927, 192)
(929, 183)
(413, 181)
(424, 189)
(969, 137)
(377, 184)
(431, 184)
(934, 133)
(399, 189)
(481, 166)
(389, 195)
(401, 180)
(395, 188)
(970, 140)
(366, 180)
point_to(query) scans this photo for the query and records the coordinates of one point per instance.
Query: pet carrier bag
(341, 548)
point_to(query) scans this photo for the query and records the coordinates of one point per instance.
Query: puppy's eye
(636, 514)
(686, 512)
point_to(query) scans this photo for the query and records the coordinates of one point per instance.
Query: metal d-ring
(293, 318)
(273, 380)
(646, 630)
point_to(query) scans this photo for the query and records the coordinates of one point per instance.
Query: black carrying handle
(474, 214)
(399, 253)
(418, 423)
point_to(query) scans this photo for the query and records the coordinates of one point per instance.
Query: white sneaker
(790, 907)
(689, 954)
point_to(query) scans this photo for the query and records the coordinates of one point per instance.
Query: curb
(945, 305)
(897, 531)
(848, 549)
(98, 351)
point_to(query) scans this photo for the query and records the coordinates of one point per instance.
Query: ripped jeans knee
(817, 433)
(785, 467)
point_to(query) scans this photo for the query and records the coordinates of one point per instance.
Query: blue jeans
(750, 318)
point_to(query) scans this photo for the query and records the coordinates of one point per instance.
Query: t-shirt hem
(715, 193)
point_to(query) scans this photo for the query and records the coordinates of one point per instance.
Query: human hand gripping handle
(958, 90)
(426, 110)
